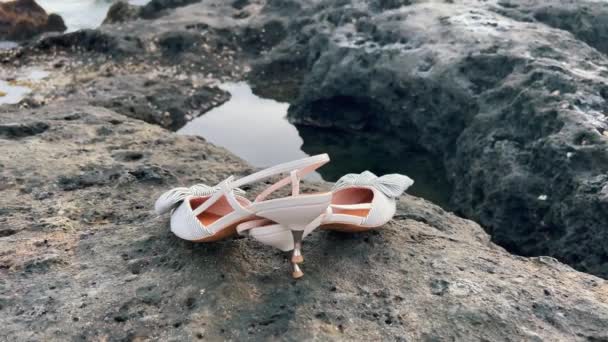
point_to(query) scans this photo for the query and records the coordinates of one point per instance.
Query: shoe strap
(309, 163)
(297, 169)
(224, 190)
(294, 179)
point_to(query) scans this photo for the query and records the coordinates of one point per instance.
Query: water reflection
(251, 127)
(356, 152)
(256, 129)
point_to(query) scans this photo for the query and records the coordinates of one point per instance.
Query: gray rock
(513, 107)
(121, 11)
(158, 8)
(168, 103)
(94, 263)
(586, 20)
(90, 40)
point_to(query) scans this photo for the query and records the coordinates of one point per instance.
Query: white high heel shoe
(203, 214)
(360, 202)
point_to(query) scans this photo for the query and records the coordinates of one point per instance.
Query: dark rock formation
(586, 20)
(93, 40)
(23, 19)
(121, 11)
(514, 108)
(19, 130)
(167, 103)
(83, 258)
(157, 8)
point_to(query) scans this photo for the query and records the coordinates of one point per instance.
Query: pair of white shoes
(358, 202)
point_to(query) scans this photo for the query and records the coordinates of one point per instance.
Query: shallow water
(15, 91)
(81, 14)
(12, 93)
(251, 127)
(257, 130)
(4, 45)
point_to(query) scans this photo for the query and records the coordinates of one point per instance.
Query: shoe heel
(296, 253)
(297, 219)
(298, 214)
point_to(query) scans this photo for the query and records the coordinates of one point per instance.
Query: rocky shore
(511, 96)
(82, 256)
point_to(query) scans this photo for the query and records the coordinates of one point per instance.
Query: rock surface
(23, 19)
(511, 95)
(515, 119)
(121, 11)
(83, 257)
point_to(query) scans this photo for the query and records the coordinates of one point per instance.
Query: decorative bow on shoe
(392, 185)
(172, 198)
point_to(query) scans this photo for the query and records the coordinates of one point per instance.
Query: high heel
(286, 237)
(296, 256)
(204, 213)
(297, 272)
(359, 203)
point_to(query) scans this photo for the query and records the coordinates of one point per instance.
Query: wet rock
(100, 265)
(22, 130)
(121, 11)
(23, 19)
(92, 40)
(157, 8)
(170, 103)
(256, 39)
(517, 130)
(177, 42)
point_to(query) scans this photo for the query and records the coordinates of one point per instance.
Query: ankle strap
(304, 165)
(294, 177)
(297, 169)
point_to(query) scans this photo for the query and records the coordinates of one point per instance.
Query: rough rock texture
(23, 19)
(167, 103)
(586, 20)
(121, 11)
(163, 72)
(510, 102)
(158, 8)
(511, 95)
(82, 257)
